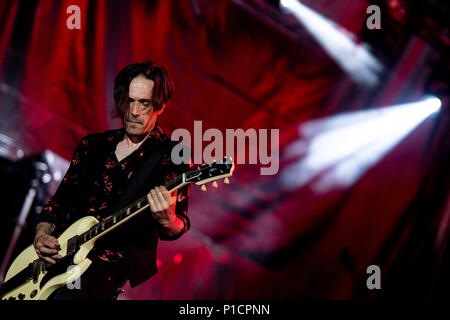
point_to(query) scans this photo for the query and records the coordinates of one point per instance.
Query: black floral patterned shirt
(96, 179)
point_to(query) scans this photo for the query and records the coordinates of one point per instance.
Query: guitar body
(66, 270)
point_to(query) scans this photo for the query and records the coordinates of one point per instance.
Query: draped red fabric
(63, 77)
(234, 67)
(8, 13)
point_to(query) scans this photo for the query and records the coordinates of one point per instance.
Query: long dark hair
(162, 89)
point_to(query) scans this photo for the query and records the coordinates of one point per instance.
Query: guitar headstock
(211, 172)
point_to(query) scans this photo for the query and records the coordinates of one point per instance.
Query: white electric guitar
(31, 278)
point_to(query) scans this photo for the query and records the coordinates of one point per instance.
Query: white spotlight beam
(336, 152)
(340, 44)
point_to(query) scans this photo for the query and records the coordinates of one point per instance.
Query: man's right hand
(46, 246)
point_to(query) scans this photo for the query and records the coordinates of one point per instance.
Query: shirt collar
(156, 134)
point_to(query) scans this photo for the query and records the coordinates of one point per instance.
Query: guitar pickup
(35, 270)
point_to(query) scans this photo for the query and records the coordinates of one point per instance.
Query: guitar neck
(200, 175)
(102, 228)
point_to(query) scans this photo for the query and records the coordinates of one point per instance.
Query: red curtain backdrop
(234, 67)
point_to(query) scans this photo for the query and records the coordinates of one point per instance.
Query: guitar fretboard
(207, 172)
(75, 242)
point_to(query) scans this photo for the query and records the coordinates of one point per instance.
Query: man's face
(141, 117)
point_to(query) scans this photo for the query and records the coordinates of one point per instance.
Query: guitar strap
(142, 181)
(139, 236)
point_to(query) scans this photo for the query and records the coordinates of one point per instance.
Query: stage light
(287, 3)
(337, 151)
(46, 178)
(57, 175)
(177, 258)
(355, 59)
(433, 103)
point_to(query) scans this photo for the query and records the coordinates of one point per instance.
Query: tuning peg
(226, 180)
(214, 184)
(203, 188)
